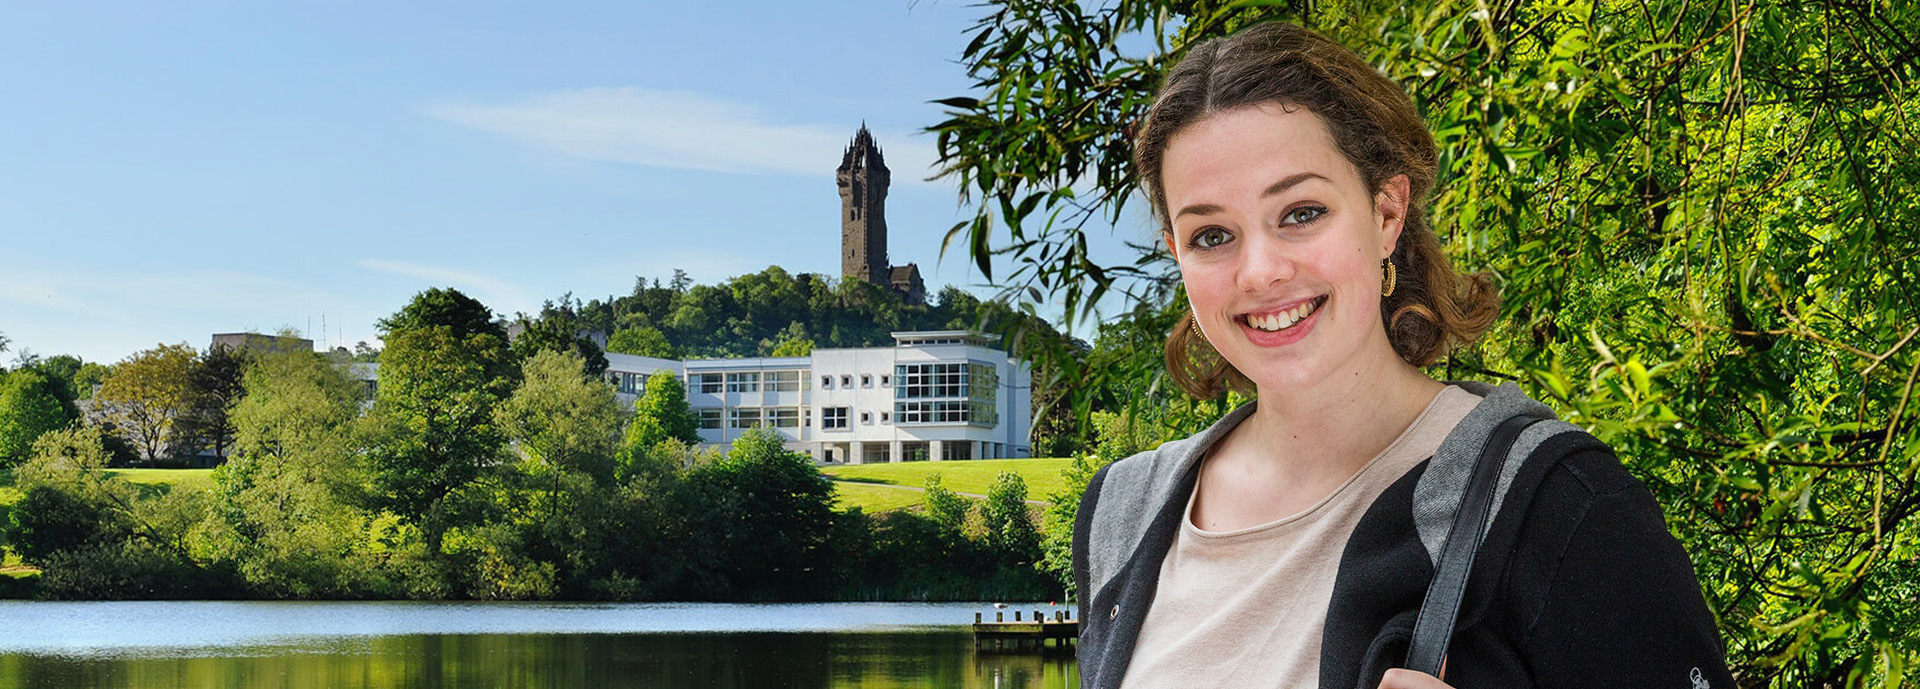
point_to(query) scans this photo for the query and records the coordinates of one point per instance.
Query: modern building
(257, 343)
(936, 395)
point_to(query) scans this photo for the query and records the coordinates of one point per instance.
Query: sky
(173, 170)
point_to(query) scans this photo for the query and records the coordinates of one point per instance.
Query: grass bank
(882, 487)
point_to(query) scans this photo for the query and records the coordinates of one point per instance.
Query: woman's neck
(1311, 441)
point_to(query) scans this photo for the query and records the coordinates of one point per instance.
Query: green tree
(146, 394)
(214, 384)
(29, 406)
(558, 329)
(754, 524)
(285, 513)
(432, 424)
(464, 316)
(642, 341)
(661, 414)
(562, 418)
(1685, 205)
(945, 507)
(1010, 533)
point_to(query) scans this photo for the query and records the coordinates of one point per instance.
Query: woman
(1291, 544)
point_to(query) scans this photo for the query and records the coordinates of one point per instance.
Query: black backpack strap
(1433, 629)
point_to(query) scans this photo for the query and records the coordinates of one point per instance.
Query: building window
(826, 382)
(628, 383)
(885, 380)
(833, 417)
(886, 418)
(784, 417)
(846, 381)
(744, 417)
(743, 382)
(707, 382)
(866, 418)
(971, 412)
(710, 417)
(784, 381)
(866, 380)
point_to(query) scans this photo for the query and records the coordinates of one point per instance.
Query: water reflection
(896, 657)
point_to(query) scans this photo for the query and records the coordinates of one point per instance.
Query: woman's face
(1280, 245)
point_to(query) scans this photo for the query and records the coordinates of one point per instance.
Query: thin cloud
(678, 129)
(502, 296)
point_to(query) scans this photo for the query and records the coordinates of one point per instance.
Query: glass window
(743, 382)
(866, 418)
(744, 417)
(866, 380)
(826, 382)
(885, 380)
(783, 381)
(710, 417)
(833, 417)
(846, 381)
(707, 382)
(784, 417)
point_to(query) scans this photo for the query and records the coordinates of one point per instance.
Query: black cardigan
(1577, 584)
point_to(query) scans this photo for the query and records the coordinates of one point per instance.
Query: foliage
(757, 520)
(29, 406)
(1010, 533)
(563, 419)
(660, 414)
(1698, 215)
(642, 341)
(432, 425)
(284, 513)
(463, 315)
(214, 385)
(946, 508)
(558, 329)
(146, 394)
(94, 535)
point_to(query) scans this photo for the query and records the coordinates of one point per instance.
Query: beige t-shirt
(1246, 608)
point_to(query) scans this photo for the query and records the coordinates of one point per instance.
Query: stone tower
(863, 181)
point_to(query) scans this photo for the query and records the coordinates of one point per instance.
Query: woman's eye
(1210, 237)
(1303, 215)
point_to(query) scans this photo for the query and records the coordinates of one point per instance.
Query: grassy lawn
(178, 479)
(966, 476)
(874, 498)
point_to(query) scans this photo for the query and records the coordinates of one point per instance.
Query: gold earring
(1393, 278)
(1196, 328)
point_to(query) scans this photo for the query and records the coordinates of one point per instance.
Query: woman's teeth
(1285, 319)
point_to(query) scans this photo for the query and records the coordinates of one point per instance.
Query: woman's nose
(1265, 262)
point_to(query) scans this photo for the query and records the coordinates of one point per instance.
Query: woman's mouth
(1283, 320)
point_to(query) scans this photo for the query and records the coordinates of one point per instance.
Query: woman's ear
(1391, 205)
(1171, 251)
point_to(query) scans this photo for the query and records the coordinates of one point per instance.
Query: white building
(932, 396)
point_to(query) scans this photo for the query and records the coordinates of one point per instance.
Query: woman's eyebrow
(1279, 187)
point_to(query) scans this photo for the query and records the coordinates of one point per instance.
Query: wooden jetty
(1024, 632)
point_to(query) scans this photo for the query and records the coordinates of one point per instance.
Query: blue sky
(171, 170)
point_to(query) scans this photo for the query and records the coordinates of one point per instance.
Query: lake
(429, 645)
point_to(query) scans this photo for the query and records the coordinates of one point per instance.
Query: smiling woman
(1298, 541)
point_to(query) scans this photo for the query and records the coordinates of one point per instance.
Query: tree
(563, 419)
(558, 329)
(145, 394)
(1009, 524)
(1685, 205)
(286, 512)
(463, 315)
(659, 415)
(433, 421)
(755, 523)
(642, 341)
(214, 384)
(29, 406)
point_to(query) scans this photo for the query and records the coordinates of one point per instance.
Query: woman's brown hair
(1433, 308)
